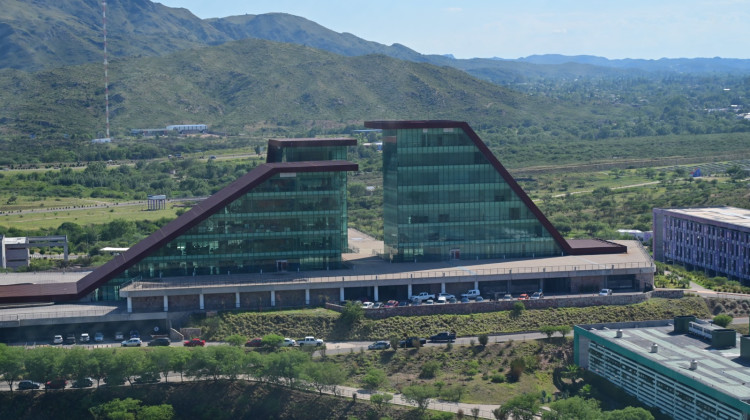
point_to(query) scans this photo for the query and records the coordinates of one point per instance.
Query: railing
(473, 274)
(60, 314)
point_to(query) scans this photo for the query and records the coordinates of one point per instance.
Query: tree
(380, 400)
(723, 320)
(351, 313)
(548, 330)
(229, 359)
(130, 408)
(236, 340)
(284, 367)
(430, 369)
(483, 339)
(517, 310)
(324, 375)
(373, 379)
(628, 413)
(564, 330)
(78, 363)
(272, 340)
(522, 407)
(11, 364)
(103, 358)
(202, 364)
(179, 359)
(43, 363)
(132, 362)
(420, 395)
(161, 358)
(574, 408)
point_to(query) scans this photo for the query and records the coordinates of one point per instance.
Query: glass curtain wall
(444, 200)
(291, 222)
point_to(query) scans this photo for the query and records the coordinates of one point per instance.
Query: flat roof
(313, 142)
(719, 369)
(727, 215)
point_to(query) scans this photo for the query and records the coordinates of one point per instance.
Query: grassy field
(54, 217)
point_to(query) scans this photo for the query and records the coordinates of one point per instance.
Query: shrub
(484, 339)
(517, 310)
(723, 320)
(351, 313)
(430, 370)
(517, 367)
(452, 393)
(373, 379)
(498, 378)
(471, 368)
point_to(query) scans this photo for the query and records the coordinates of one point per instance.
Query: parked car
(446, 336)
(464, 299)
(508, 296)
(98, 337)
(27, 384)
(132, 342)
(471, 294)
(391, 304)
(409, 342)
(403, 303)
(56, 384)
(537, 296)
(195, 342)
(605, 292)
(478, 299)
(85, 338)
(70, 339)
(255, 342)
(58, 339)
(147, 379)
(423, 296)
(83, 383)
(377, 305)
(368, 305)
(441, 300)
(523, 296)
(134, 334)
(429, 302)
(379, 345)
(453, 300)
(447, 296)
(159, 341)
(310, 341)
(288, 342)
(119, 336)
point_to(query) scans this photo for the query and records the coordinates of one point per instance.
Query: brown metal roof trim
(414, 124)
(594, 247)
(175, 228)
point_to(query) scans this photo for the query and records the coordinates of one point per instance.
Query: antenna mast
(106, 77)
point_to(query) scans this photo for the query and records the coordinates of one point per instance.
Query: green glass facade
(444, 199)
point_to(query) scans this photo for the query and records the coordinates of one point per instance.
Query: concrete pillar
(408, 292)
(541, 284)
(307, 296)
(201, 303)
(166, 303)
(273, 298)
(130, 304)
(236, 299)
(375, 294)
(476, 284)
(341, 294)
(442, 287)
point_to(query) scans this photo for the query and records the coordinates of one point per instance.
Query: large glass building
(447, 197)
(292, 216)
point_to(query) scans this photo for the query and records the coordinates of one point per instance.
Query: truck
(310, 341)
(422, 297)
(471, 294)
(446, 336)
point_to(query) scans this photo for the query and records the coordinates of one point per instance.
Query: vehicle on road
(195, 342)
(159, 341)
(83, 383)
(132, 342)
(478, 299)
(98, 337)
(471, 294)
(446, 336)
(147, 379)
(368, 305)
(441, 300)
(536, 296)
(409, 342)
(134, 334)
(56, 384)
(524, 296)
(428, 302)
(288, 342)
(508, 296)
(422, 297)
(447, 296)
(70, 339)
(453, 300)
(255, 342)
(85, 338)
(379, 345)
(605, 292)
(310, 341)
(377, 305)
(58, 339)
(119, 336)
(27, 384)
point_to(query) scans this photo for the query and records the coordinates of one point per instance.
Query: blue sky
(510, 29)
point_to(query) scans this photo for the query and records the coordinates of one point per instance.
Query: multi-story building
(714, 239)
(686, 368)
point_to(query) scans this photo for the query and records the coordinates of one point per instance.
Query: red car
(255, 342)
(391, 304)
(56, 384)
(523, 296)
(195, 342)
